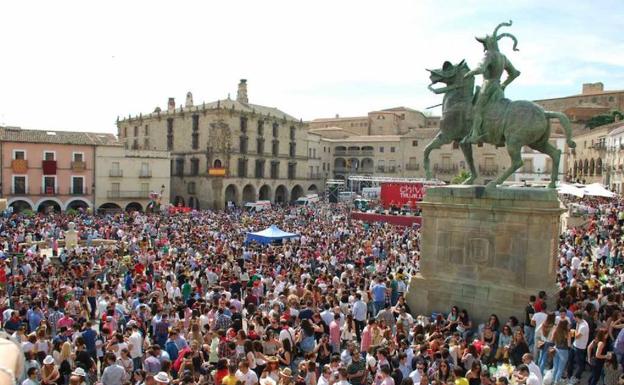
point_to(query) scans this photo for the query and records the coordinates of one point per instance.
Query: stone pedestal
(485, 251)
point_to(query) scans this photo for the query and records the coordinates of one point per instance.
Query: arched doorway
(231, 194)
(353, 164)
(134, 206)
(217, 163)
(296, 193)
(48, 206)
(109, 207)
(77, 204)
(249, 193)
(20, 205)
(340, 165)
(591, 167)
(178, 201)
(599, 166)
(312, 189)
(367, 165)
(281, 194)
(265, 193)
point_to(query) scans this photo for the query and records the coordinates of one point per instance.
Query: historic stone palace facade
(227, 151)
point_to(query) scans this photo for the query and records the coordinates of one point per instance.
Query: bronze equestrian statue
(488, 117)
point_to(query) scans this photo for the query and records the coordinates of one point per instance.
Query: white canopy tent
(597, 190)
(594, 190)
(568, 189)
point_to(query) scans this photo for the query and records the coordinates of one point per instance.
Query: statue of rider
(491, 67)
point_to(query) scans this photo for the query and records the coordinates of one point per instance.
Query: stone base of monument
(485, 251)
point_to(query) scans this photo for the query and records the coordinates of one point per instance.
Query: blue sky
(75, 65)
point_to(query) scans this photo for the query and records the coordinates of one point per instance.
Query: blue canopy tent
(268, 235)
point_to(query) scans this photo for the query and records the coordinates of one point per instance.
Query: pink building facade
(48, 170)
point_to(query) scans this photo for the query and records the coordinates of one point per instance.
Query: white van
(307, 200)
(258, 206)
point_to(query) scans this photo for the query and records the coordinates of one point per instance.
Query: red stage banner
(401, 193)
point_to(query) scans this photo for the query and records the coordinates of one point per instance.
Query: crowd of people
(182, 299)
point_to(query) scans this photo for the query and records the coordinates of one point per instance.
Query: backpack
(307, 344)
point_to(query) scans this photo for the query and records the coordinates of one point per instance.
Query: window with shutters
(274, 170)
(259, 172)
(179, 167)
(275, 148)
(195, 134)
(243, 124)
(243, 144)
(260, 146)
(170, 134)
(292, 170)
(194, 166)
(242, 168)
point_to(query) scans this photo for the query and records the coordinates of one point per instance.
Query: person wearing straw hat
(78, 376)
(286, 377)
(162, 378)
(267, 381)
(272, 369)
(49, 372)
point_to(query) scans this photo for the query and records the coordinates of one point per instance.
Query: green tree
(602, 119)
(459, 178)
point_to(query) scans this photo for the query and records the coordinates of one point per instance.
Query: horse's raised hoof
(491, 186)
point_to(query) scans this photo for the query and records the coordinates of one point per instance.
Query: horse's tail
(565, 122)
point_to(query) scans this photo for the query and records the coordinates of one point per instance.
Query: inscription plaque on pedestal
(485, 250)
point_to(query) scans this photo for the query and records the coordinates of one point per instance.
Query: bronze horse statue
(513, 124)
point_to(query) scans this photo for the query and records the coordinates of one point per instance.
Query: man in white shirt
(287, 333)
(527, 359)
(326, 315)
(246, 376)
(539, 317)
(359, 311)
(135, 345)
(579, 348)
(417, 374)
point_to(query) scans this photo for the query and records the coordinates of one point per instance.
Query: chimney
(241, 96)
(171, 105)
(189, 100)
